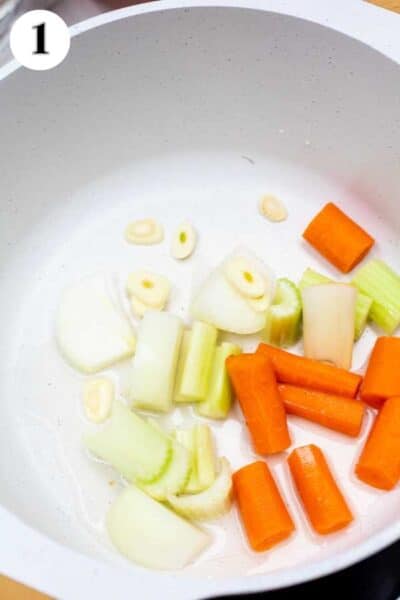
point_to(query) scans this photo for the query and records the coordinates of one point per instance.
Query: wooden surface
(10, 590)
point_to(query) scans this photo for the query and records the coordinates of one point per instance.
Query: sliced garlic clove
(184, 241)
(272, 208)
(245, 278)
(260, 304)
(98, 396)
(151, 289)
(145, 231)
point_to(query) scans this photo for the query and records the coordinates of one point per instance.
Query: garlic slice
(272, 208)
(151, 289)
(184, 241)
(145, 232)
(245, 277)
(98, 396)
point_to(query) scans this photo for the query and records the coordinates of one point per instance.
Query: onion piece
(328, 323)
(219, 303)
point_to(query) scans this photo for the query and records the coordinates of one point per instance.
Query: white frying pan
(179, 110)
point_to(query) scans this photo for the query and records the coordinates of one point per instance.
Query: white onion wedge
(212, 502)
(150, 534)
(91, 332)
(328, 323)
(153, 372)
(219, 303)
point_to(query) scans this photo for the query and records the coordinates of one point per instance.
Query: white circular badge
(39, 40)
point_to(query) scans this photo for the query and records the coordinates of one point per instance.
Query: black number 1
(40, 39)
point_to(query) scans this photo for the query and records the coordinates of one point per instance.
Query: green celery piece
(186, 438)
(363, 302)
(218, 400)
(205, 459)
(174, 478)
(382, 284)
(283, 321)
(181, 366)
(131, 445)
(198, 363)
(198, 441)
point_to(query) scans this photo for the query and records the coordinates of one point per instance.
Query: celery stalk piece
(205, 457)
(175, 476)
(186, 438)
(154, 365)
(218, 400)
(131, 445)
(148, 533)
(199, 441)
(382, 284)
(197, 368)
(183, 352)
(328, 322)
(210, 503)
(283, 322)
(363, 302)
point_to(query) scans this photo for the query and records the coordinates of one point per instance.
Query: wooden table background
(11, 590)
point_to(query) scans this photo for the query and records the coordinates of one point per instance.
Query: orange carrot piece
(338, 238)
(309, 373)
(335, 412)
(382, 379)
(379, 462)
(265, 516)
(324, 504)
(255, 386)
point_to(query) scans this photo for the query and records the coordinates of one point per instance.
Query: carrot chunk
(338, 238)
(382, 379)
(335, 412)
(265, 516)
(255, 386)
(324, 504)
(379, 462)
(309, 373)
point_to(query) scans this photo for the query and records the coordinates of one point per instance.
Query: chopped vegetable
(265, 516)
(363, 302)
(382, 284)
(379, 463)
(272, 208)
(338, 238)
(150, 534)
(324, 503)
(184, 241)
(220, 304)
(131, 445)
(382, 379)
(218, 400)
(91, 332)
(174, 478)
(255, 386)
(304, 372)
(145, 231)
(328, 323)
(98, 396)
(245, 277)
(151, 289)
(198, 441)
(335, 412)
(212, 502)
(198, 362)
(283, 321)
(181, 366)
(154, 366)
